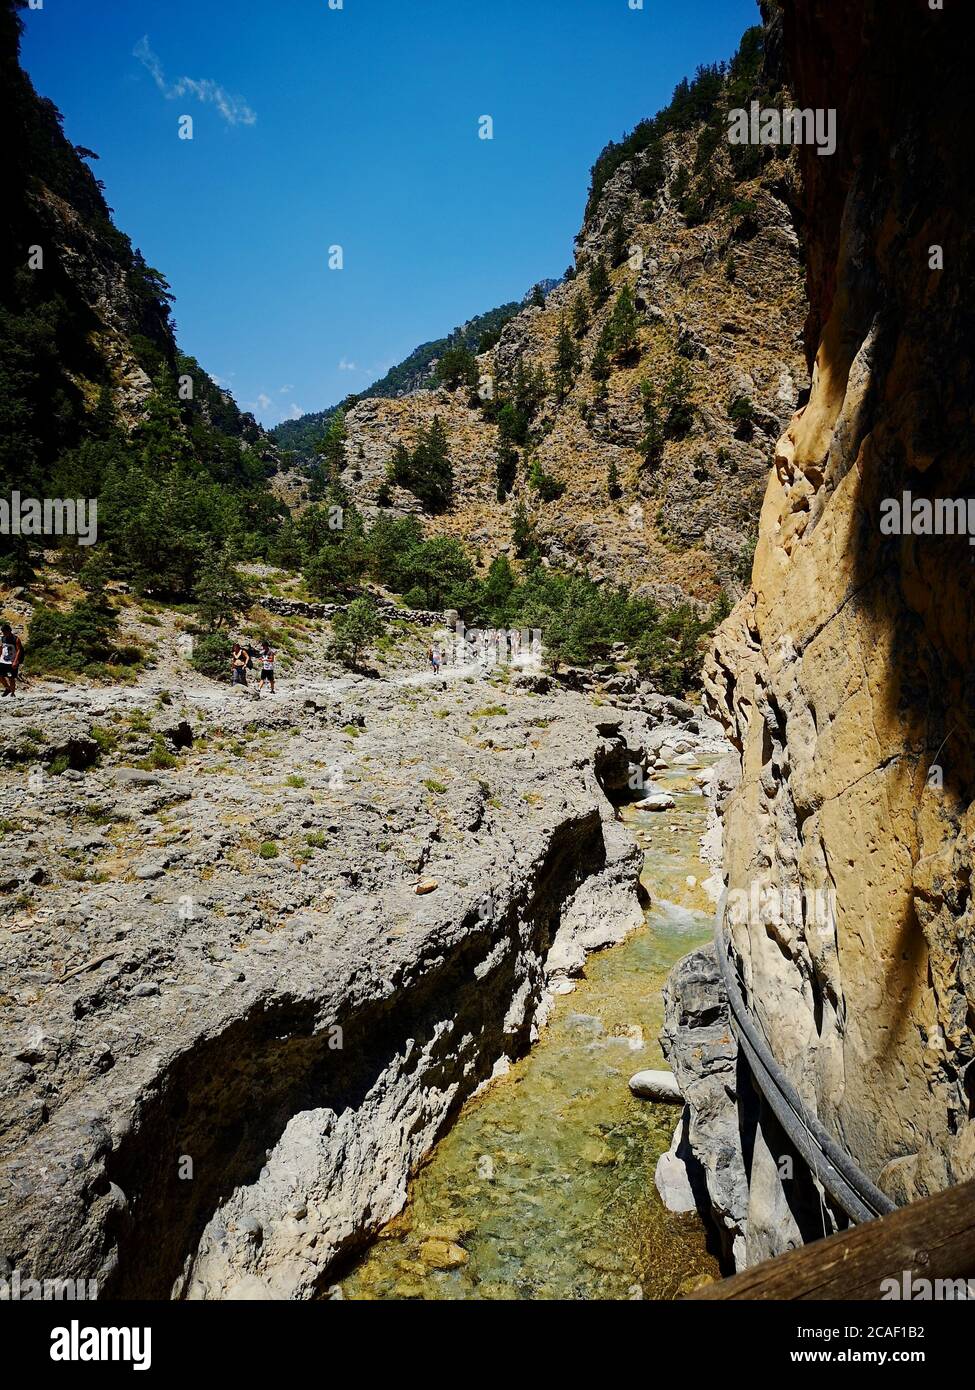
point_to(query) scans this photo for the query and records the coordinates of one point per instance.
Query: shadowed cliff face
(845, 676)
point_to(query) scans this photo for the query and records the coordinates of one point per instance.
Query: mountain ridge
(302, 435)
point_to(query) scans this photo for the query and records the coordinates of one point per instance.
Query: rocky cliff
(844, 677)
(710, 256)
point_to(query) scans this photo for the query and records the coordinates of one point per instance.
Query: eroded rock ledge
(227, 1058)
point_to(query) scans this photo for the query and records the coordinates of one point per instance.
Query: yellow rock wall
(845, 677)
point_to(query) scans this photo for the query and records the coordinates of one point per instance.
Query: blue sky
(356, 127)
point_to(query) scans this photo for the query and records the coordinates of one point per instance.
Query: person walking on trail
(239, 662)
(11, 655)
(435, 660)
(268, 658)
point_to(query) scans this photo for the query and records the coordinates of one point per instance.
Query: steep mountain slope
(845, 676)
(651, 447)
(87, 346)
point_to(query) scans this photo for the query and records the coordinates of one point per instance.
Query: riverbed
(543, 1188)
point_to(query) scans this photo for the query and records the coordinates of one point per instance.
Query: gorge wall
(844, 677)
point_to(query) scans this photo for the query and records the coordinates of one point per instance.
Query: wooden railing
(932, 1239)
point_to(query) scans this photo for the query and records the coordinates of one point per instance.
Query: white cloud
(264, 402)
(294, 411)
(285, 390)
(345, 366)
(233, 109)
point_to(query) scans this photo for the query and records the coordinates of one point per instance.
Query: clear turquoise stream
(543, 1188)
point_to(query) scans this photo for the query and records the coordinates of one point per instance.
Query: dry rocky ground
(254, 954)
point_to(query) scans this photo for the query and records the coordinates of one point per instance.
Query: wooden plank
(933, 1238)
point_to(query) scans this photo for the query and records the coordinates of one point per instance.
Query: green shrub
(549, 488)
(211, 657)
(677, 401)
(106, 739)
(73, 641)
(354, 630)
(426, 471)
(741, 412)
(160, 758)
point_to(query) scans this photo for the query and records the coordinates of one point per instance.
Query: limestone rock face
(844, 678)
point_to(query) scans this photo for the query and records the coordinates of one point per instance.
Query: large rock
(660, 1086)
(699, 1045)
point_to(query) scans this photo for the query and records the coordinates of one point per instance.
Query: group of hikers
(242, 659)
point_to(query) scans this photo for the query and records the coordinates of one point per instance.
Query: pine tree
(619, 243)
(506, 469)
(528, 390)
(354, 630)
(580, 314)
(427, 472)
(221, 591)
(624, 327)
(599, 282)
(438, 466)
(332, 447)
(652, 442)
(496, 592)
(677, 401)
(94, 576)
(457, 367)
(522, 532)
(599, 367)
